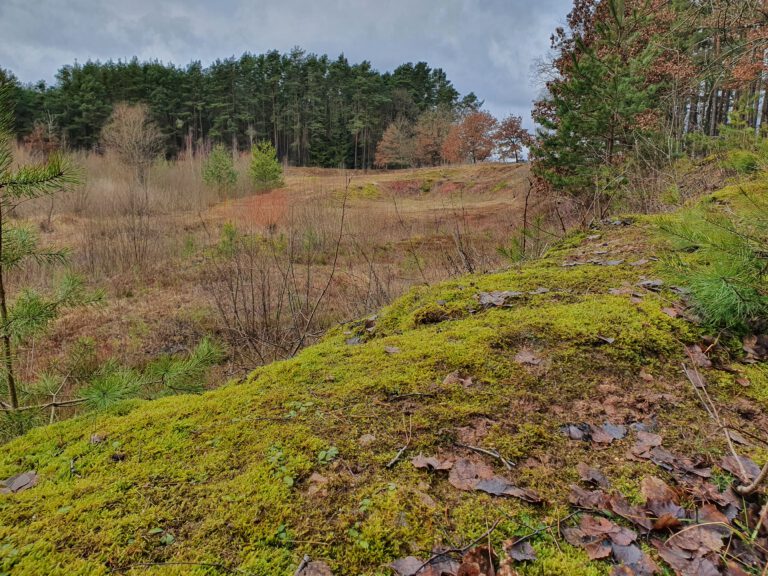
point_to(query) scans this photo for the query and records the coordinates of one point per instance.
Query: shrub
(266, 170)
(722, 261)
(219, 170)
(743, 161)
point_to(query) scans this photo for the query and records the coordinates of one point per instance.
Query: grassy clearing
(293, 460)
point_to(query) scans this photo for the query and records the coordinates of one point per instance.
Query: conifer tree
(266, 170)
(219, 170)
(28, 312)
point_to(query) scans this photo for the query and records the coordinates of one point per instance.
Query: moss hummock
(293, 461)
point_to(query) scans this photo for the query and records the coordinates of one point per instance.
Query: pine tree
(265, 169)
(29, 312)
(219, 170)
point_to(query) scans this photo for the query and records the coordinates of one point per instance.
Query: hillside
(572, 359)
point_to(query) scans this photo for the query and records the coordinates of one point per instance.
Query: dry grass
(154, 250)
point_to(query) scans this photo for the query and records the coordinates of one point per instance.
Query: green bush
(743, 161)
(722, 262)
(266, 170)
(219, 170)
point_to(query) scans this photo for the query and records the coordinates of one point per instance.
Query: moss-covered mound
(301, 458)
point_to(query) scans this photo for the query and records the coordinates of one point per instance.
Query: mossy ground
(226, 478)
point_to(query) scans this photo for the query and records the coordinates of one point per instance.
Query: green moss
(227, 477)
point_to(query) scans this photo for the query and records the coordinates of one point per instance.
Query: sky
(489, 47)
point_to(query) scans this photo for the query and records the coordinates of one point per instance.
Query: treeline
(636, 84)
(315, 110)
(441, 136)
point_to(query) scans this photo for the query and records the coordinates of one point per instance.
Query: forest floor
(548, 419)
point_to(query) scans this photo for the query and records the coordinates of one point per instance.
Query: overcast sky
(485, 46)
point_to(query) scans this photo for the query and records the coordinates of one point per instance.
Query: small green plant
(743, 161)
(722, 261)
(219, 170)
(328, 455)
(276, 458)
(265, 169)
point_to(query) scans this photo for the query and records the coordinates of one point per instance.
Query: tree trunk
(7, 349)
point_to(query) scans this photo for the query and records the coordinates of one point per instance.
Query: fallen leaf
(591, 475)
(391, 349)
(315, 568)
(18, 483)
(655, 489)
(407, 566)
(646, 441)
(431, 463)
(731, 464)
(519, 550)
(456, 378)
(671, 312)
(634, 514)
(317, 484)
(756, 347)
(483, 557)
(465, 474)
(366, 439)
(497, 299)
(595, 500)
(598, 550)
(527, 357)
(577, 431)
(498, 486)
(653, 285)
(698, 357)
(634, 561)
(645, 376)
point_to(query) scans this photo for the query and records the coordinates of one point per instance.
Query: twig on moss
(200, 564)
(402, 450)
(460, 551)
(748, 487)
(492, 453)
(303, 564)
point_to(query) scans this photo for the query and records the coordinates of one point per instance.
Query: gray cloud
(487, 46)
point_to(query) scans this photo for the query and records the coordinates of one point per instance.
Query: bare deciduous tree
(135, 139)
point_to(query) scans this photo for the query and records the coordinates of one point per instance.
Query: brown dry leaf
(597, 526)
(498, 486)
(18, 483)
(684, 562)
(645, 376)
(483, 557)
(591, 475)
(315, 568)
(646, 441)
(594, 500)
(730, 464)
(498, 299)
(410, 565)
(698, 357)
(634, 561)
(671, 312)
(465, 474)
(431, 463)
(456, 378)
(634, 514)
(698, 539)
(317, 484)
(528, 357)
(506, 569)
(598, 550)
(520, 551)
(655, 489)
(756, 347)
(469, 569)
